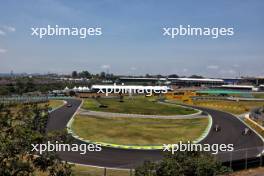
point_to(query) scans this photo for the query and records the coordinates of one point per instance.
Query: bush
(183, 164)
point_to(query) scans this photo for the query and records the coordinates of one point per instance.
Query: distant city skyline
(132, 42)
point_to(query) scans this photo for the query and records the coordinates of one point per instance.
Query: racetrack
(231, 133)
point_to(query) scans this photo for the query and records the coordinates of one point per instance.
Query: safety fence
(22, 99)
(237, 160)
(100, 171)
(243, 158)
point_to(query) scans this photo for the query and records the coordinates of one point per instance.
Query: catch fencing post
(231, 159)
(105, 171)
(260, 160)
(246, 159)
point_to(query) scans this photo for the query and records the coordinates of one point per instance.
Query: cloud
(9, 28)
(229, 72)
(2, 50)
(2, 32)
(213, 67)
(105, 66)
(6, 29)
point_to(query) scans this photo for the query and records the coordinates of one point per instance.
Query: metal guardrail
(59, 97)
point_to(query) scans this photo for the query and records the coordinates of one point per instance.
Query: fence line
(23, 99)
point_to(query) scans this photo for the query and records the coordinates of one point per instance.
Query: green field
(138, 131)
(230, 106)
(135, 105)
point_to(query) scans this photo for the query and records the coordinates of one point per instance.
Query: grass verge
(53, 103)
(253, 125)
(233, 107)
(135, 105)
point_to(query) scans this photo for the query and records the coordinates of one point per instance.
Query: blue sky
(132, 42)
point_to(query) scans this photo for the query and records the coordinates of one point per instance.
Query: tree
(173, 76)
(74, 74)
(147, 169)
(11, 88)
(195, 76)
(72, 93)
(183, 164)
(102, 75)
(85, 74)
(18, 131)
(4, 90)
(148, 75)
(20, 87)
(30, 86)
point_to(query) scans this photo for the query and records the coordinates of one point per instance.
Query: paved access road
(231, 133)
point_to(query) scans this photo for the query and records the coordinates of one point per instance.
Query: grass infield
(138, 131)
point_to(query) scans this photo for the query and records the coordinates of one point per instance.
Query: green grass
(55, 103)
(51, 103)
(258, 95)
(138, 131)
(230, 106)
(259, 121)
(136, 105)
(255, 127)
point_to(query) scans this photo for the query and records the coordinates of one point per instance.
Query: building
(253, 80)
(192, 82)
(261, 87)
(182, 82)
(141, 81)
(238, 87)
(129, 89)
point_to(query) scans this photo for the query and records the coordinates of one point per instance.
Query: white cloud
(213, 67)
(2, 32)
(2, 50)
(5, 29)
(229, 72)
(9, 28)
(105, 66)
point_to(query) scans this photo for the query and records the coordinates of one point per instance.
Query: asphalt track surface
(231, 133)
